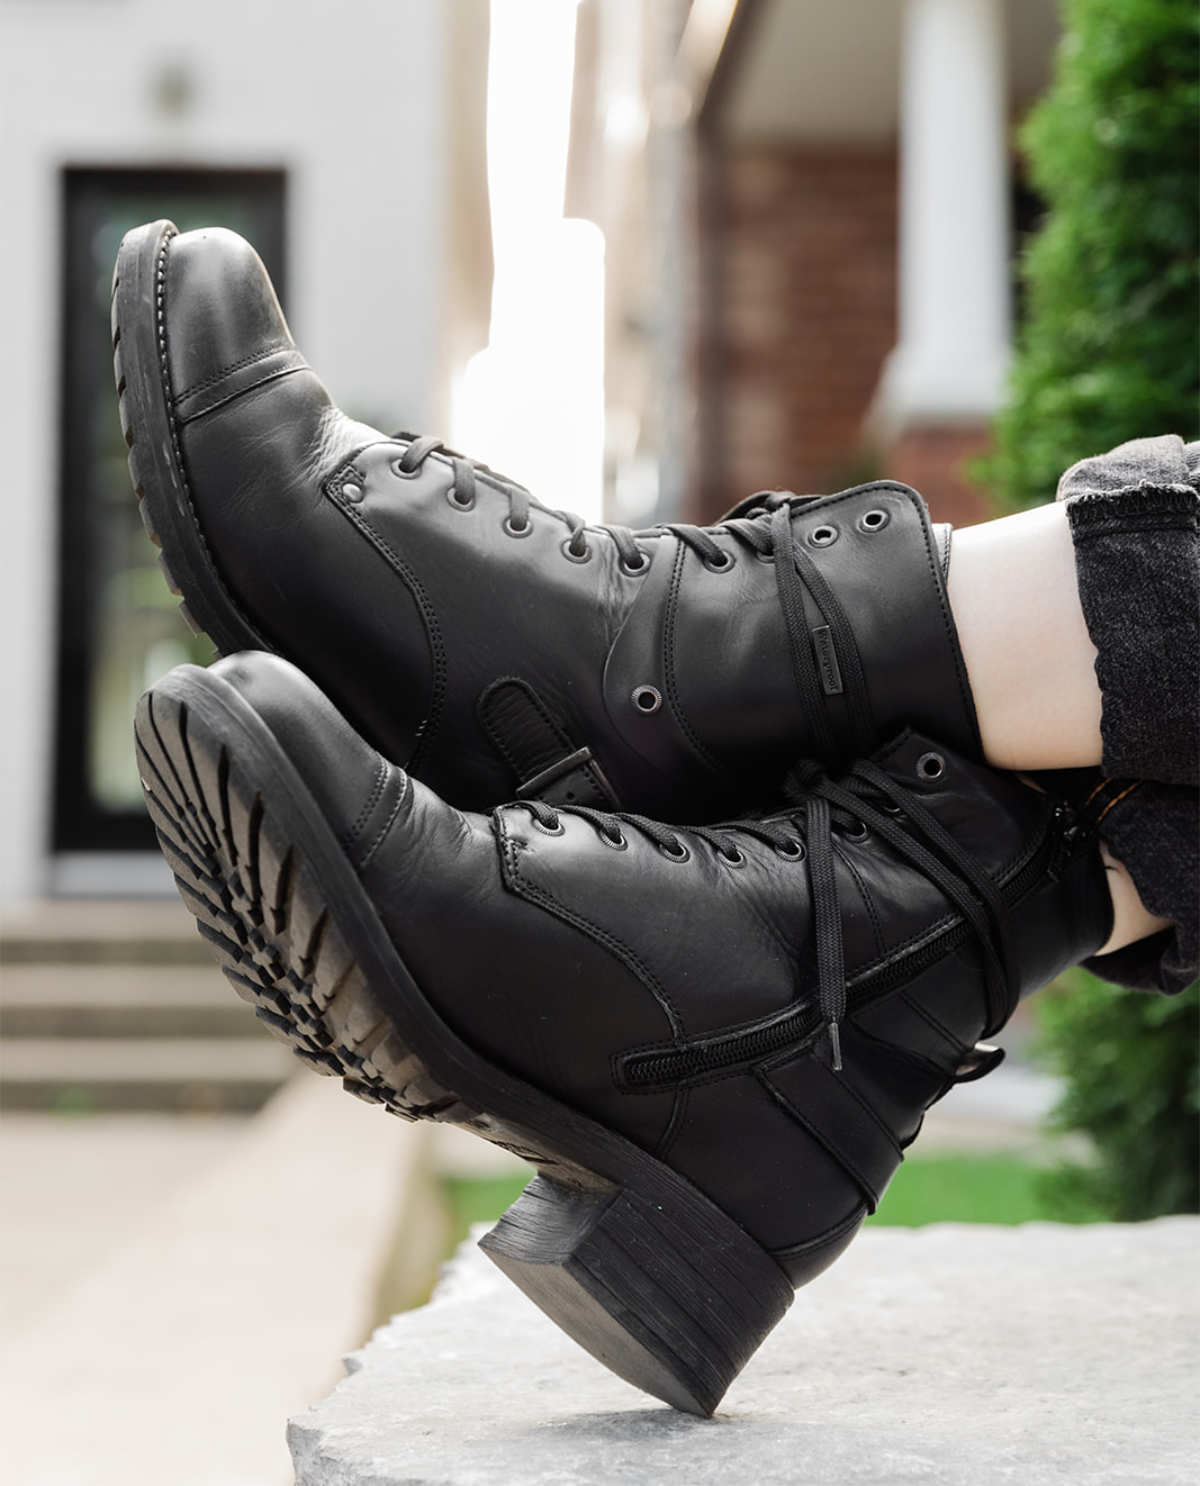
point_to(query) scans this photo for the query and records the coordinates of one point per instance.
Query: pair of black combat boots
(713, 1041)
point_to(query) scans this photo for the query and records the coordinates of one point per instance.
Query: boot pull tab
(979, 1062)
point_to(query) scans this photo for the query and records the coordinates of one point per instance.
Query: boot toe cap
(223, 323)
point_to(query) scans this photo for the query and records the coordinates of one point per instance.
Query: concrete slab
(950, 1356)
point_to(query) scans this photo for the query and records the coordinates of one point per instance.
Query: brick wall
(797, 314)
(933, 460)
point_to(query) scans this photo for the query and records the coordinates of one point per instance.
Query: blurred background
(646, 256)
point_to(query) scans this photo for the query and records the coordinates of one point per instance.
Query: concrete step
(196, 1073)
(112, 931)
(85, 1001)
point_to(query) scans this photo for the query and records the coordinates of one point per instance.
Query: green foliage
(1109, 347)
(1133, 1086)
(980, 1187)
(480, 1199)
(1110, 352)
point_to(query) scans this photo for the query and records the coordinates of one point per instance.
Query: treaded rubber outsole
(624, 1254)
(255, 902)
(156, 469)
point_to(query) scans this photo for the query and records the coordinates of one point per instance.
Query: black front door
(119, 629)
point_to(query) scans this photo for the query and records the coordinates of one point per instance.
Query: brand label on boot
(831, 676)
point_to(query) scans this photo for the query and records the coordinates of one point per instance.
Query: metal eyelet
(556, 829)
(516, 531)
(352, 492)
(889, 809)
(931, 766)
(619, 842)
(682, 855)
(584, 556)
(873, 520)
(646, 699)
(726, 561)
(401, 473)
(459, 505)
(734, 858)
(859, 832)
(635, 570)
(792, 851)
(822, 536)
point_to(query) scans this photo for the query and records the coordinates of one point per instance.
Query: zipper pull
(1068, 833)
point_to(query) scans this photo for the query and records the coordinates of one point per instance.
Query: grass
(987, 1188)
(990, 1188)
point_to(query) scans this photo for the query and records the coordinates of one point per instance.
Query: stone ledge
(955, 1355)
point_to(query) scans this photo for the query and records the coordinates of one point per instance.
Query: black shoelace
(865, 799)
(767, 532)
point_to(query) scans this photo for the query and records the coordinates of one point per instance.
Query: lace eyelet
(858, 832)
(401, 473)
(516, 531)
(619, 842)
(931, 766)
(635, 570)
(734, 858)
(646, 699)
(682, 855)
(822, 536)
(459, 505)
(584, 556)
(873, 520)
(556, 829)
(727, 560)
(353, 493)
(791, 851)
(889, 809)
(766, 557)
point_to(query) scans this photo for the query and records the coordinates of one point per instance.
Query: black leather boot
(714, 1044)
(493, 647)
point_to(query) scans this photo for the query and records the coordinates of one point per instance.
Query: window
(119, 629)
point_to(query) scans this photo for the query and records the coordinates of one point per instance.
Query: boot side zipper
(725, 1052)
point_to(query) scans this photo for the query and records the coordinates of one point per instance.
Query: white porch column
(954, 297)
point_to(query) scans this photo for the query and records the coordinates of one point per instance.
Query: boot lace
(766, 531)
(865, 799)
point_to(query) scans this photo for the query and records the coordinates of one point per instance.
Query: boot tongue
(941, 536)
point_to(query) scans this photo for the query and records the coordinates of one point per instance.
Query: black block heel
(670, 1294)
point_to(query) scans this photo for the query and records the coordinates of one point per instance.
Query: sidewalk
(179, 1288)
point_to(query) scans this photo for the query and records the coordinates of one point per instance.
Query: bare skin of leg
(1031, 664)
(1029, 656)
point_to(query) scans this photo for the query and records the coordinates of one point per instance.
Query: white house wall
(348, 96)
